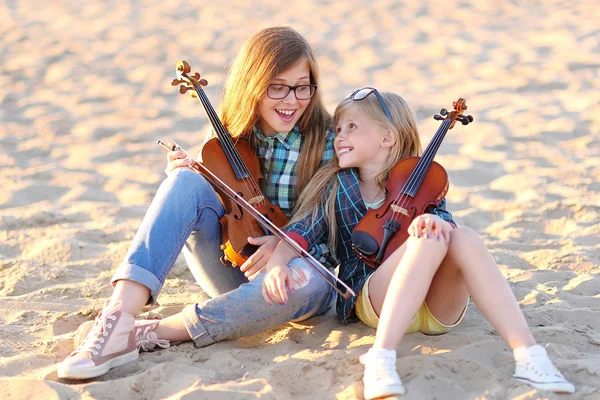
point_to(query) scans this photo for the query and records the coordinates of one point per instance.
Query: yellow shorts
(423, 322)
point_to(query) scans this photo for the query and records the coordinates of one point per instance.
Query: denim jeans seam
(174, 256)
(189, 231)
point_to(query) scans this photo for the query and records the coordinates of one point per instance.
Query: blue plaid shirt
(349, 210)
(278, 157)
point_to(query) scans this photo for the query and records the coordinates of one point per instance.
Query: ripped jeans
(244, 312)
(186, 212)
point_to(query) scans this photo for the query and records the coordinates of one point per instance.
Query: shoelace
(382, 371)
(95, 338)
(146, 339)
(543, 368)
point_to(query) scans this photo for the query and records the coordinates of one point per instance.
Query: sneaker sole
(99, 370)
(557, 387)
(388, 392)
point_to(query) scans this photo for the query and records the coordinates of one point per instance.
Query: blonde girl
(272, 99)
(423, 286)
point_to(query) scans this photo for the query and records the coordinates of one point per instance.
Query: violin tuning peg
(203, 82)
(464, 121)
(196, 76)
(438, 117)
(470, 118)
(443, 111)
(175, 82)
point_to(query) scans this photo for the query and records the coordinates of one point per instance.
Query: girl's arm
(309, 231)
(278, 279)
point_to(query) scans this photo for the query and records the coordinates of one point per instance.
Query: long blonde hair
(262, 57)
(322, 189)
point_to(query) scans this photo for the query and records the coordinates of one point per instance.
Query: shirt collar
(285, 138)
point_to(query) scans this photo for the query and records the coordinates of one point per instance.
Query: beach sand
(85, 92)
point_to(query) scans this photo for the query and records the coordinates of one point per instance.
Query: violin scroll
(186, 81)
(460, 106)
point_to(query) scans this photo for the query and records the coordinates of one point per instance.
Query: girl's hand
(255, 263)
(177, 159)
(277, 282)
(430, 226)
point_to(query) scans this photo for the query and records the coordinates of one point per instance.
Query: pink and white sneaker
(145, 337)
(109, 343)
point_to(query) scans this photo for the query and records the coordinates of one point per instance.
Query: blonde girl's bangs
(403, 124)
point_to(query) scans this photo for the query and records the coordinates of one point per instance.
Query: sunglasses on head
(361, 94)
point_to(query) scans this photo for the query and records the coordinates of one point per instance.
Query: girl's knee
(464, 234)
(191, 182)
(300, 276)
(432, 244)
(305, 279)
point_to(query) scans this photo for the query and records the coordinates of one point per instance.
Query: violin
(415, 184)
(240, 201)
(236, 163)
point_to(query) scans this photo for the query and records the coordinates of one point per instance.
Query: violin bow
(214, 180)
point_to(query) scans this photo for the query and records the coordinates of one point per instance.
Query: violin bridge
(256, 200)
(399, 209)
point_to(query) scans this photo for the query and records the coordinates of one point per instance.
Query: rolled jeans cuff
(135, 273)
(194, 327)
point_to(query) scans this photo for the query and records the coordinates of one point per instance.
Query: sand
(85, 92)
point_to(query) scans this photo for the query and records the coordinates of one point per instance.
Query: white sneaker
(110, 343)
(534, 368)
(381, 378)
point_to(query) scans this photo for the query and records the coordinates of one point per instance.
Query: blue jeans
(244, 312)
(186, 212)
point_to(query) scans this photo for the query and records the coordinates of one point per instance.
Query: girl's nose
(340, 135)
(290, 98)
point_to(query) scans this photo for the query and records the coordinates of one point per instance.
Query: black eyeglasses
(361, 94)
(278, 91)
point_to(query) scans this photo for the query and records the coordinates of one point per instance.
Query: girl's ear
(388, 139)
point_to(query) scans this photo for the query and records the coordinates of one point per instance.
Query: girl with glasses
(425, 285)
(271, 100)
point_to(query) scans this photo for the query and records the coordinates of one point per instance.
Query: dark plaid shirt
(349, 210)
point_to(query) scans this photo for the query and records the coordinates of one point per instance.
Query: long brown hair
(322, 189)
(261, 58)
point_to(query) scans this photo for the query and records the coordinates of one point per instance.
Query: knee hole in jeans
(300, 276)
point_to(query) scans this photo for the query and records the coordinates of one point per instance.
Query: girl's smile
(359, 141)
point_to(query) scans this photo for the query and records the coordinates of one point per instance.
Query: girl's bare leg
(466, 268)
(399, 286)
(173, 328)
(132, 295)
(469, 265)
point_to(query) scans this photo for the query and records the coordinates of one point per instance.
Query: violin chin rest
(364, 243)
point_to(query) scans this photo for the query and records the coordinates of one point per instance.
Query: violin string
(421, 168)
(422, 165)
(228, 144)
